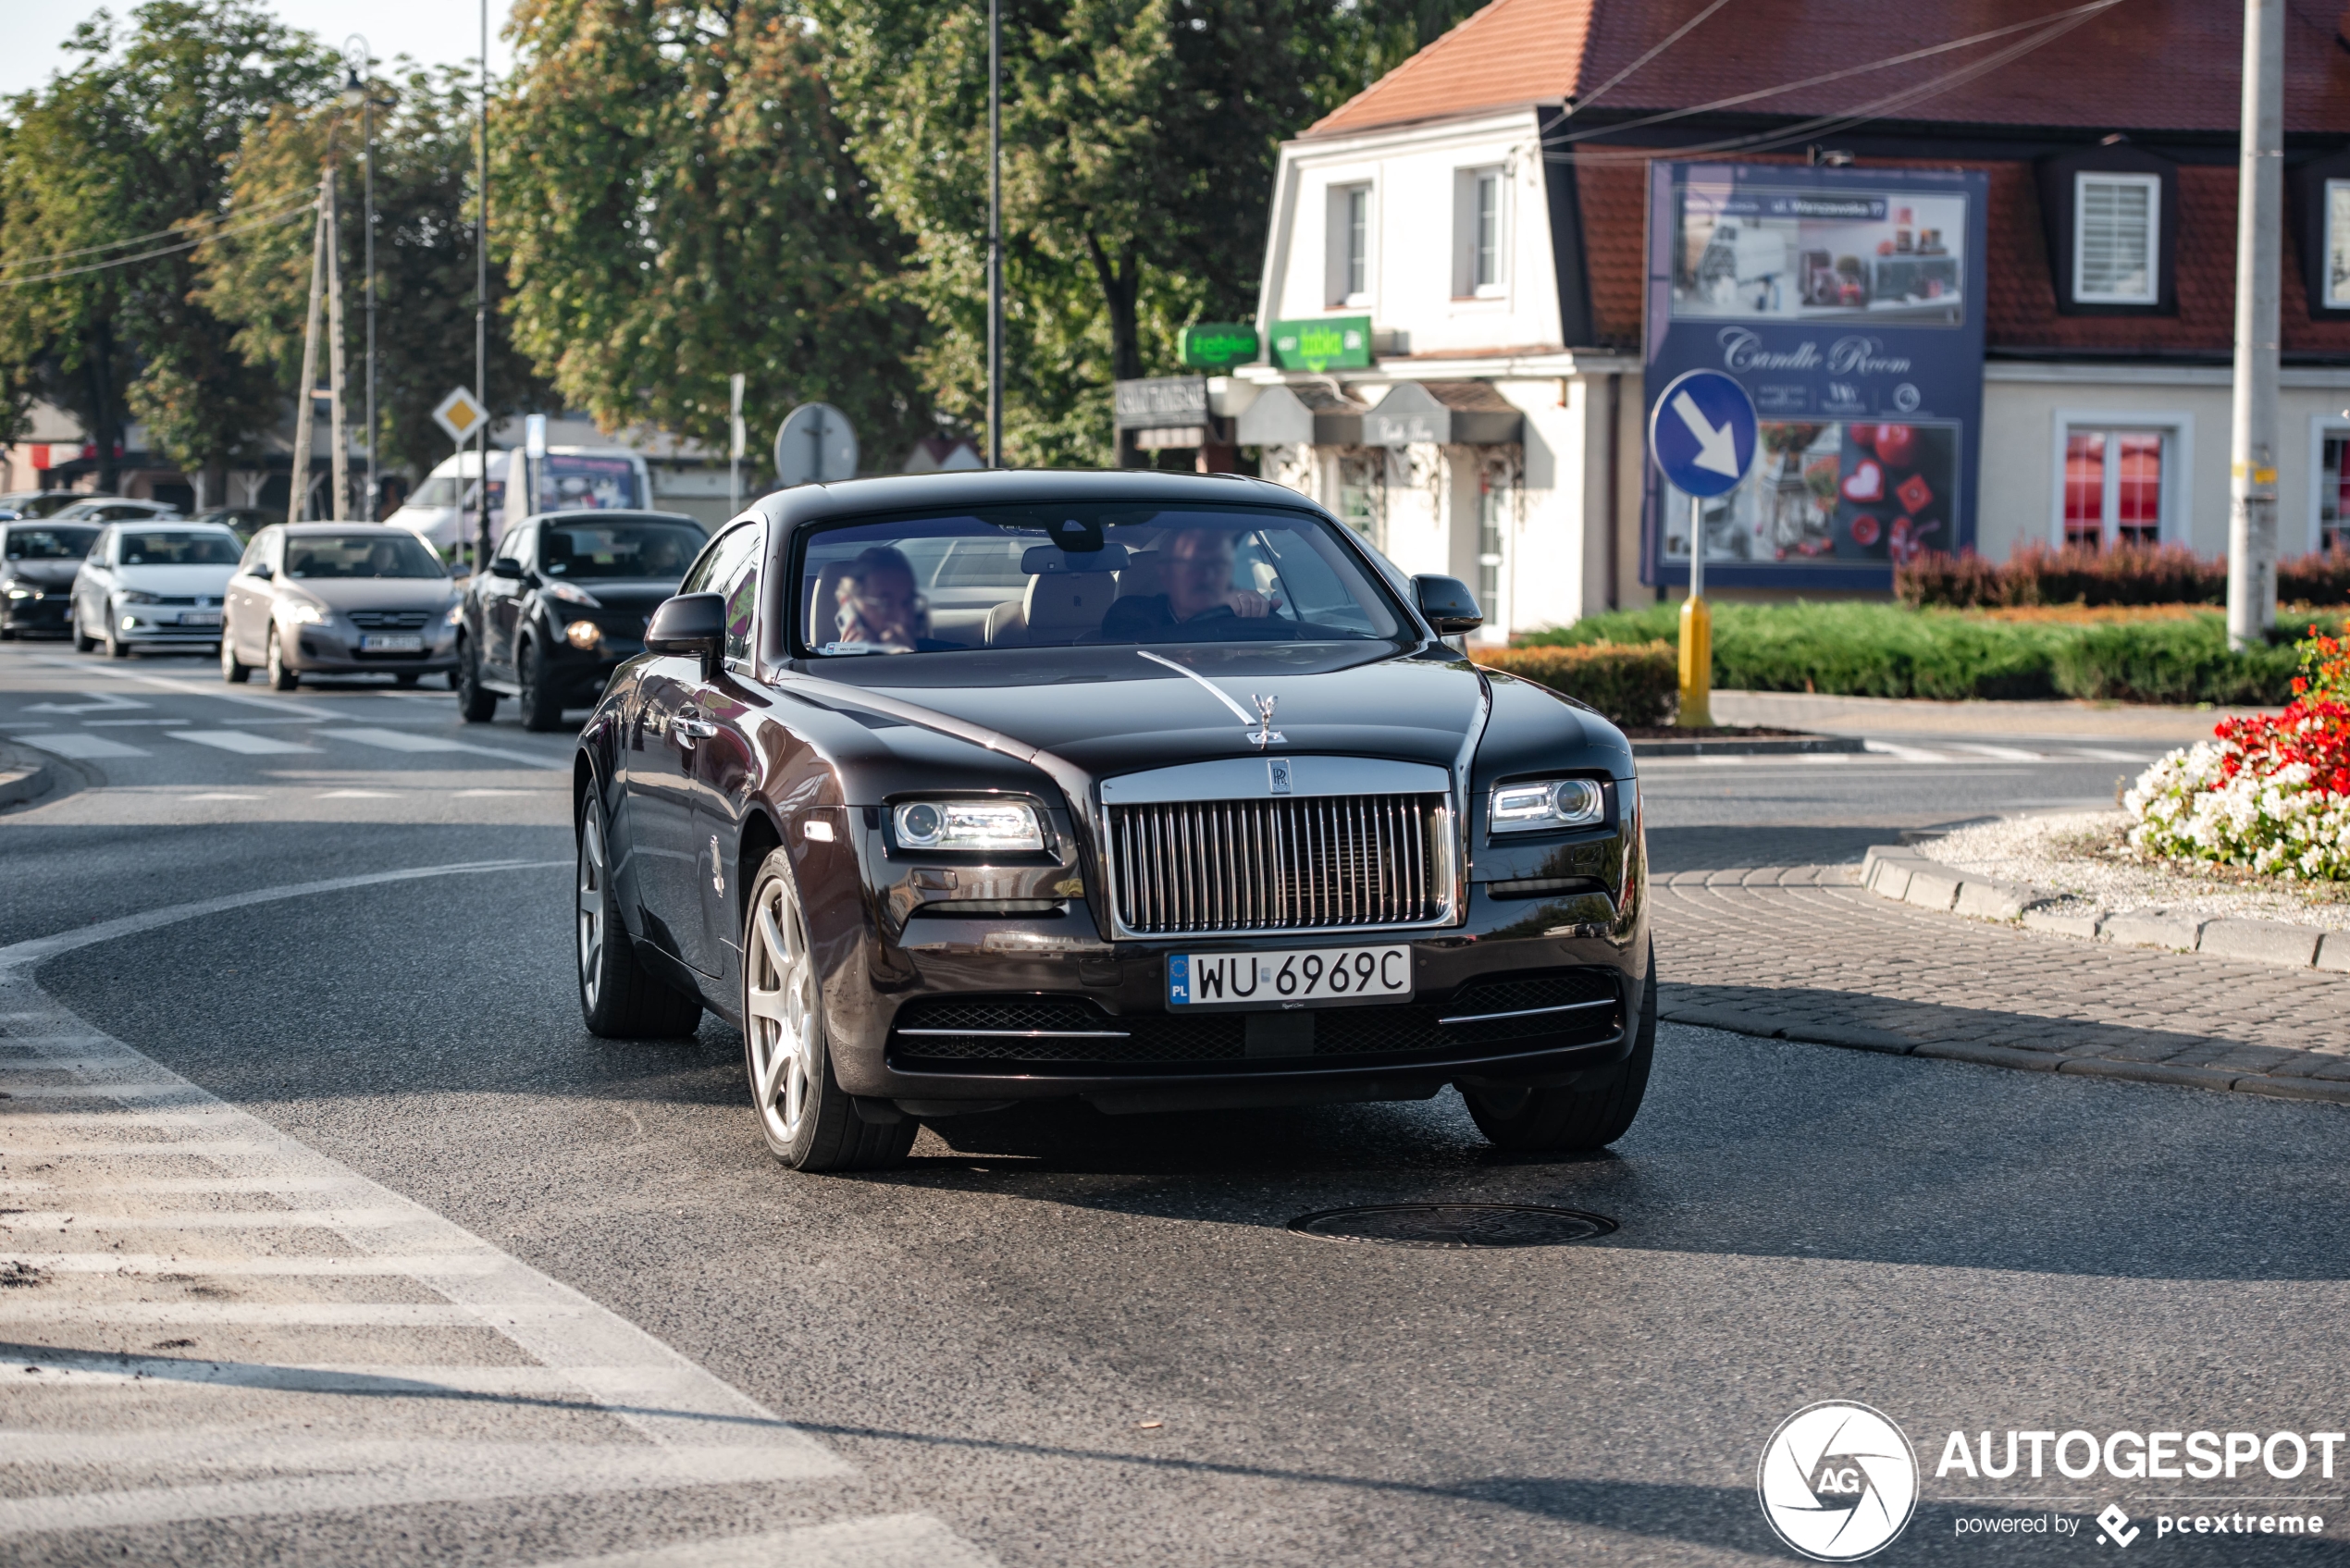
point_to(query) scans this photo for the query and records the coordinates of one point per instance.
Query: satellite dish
(815, 444)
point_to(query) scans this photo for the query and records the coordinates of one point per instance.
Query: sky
(434, 31)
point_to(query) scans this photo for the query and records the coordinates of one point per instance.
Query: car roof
(355, 526)
(613, 514)
(1007, 487)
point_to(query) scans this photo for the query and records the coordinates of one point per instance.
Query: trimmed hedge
(1863, 650)
(1634, 685)
(2128, 574)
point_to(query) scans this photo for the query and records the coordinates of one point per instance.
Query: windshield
(178, 549)
(55, 542)
(634, 548)
(389, 553)
(1085, 575)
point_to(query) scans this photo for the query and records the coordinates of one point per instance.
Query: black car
(38, 562)
(564, 602)
(1153, 790)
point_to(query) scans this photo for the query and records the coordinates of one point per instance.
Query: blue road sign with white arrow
(1702, 433)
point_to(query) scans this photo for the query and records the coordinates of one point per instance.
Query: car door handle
(693, 729)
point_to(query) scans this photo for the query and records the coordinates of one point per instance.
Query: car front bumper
(327, 653)
(1525, 956)
(43, 612)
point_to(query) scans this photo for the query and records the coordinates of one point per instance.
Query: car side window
(742, 600)
(715, 565)
(513, 547)
(256, 553)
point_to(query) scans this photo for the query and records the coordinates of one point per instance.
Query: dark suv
(564, 601)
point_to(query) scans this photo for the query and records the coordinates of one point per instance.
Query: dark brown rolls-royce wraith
(1159, 790)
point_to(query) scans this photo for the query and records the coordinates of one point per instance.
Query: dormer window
(2336, 281)
(2117, 227)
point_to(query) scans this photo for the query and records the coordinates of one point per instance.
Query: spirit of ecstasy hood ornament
(1265, 734)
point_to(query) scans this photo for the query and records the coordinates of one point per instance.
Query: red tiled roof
(2145, 64)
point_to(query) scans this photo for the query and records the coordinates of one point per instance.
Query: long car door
(724, 767)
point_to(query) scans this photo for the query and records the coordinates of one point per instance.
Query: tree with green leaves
(1140, 140)
(673, 203)
(112, 174)
(260, 281)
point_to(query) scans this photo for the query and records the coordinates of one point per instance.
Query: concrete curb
(1781, 746)
(1759, 1026)
(1899, 873)
(24, 775)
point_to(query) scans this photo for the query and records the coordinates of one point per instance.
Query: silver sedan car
(338, 598)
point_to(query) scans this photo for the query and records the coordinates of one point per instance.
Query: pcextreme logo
(1839, 1481)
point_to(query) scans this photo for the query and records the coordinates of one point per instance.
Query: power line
(283, 218)
(1671, 39)
(2053, 26)
(137, 238)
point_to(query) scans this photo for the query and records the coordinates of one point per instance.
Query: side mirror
(261, 570)
(1449, 605)
(689, 623)
(506, 566)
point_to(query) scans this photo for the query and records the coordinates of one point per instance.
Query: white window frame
(1470, 187)
(2176, 427)
(2334, 219)
(2152, 184)
(2322, 426)
(1340, 291)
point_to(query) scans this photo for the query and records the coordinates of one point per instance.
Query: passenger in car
(880, 608)
(1196, 566)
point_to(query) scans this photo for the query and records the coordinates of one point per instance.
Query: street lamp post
(359, 85)
(481, 299)
(995, 237)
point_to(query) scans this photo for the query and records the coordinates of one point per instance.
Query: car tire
(282, 675)
(475, 703)
(116, 648)
(619, 998)
(234, 671)
(1588, 1116)
(82, 643)
(542, 708)
(806, 1119)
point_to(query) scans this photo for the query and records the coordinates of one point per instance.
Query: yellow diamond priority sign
(460, 415)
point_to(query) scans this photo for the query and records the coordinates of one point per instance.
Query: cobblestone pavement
(1801, 953)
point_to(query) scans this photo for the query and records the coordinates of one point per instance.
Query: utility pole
(2252, 455)
(481, 298)
(337, 427)
(359, 82)
(995, 236)
(734, 437)
(305, 412)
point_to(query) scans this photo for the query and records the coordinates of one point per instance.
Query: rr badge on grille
(1277, 774)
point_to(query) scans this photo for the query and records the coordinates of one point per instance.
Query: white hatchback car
(153, 585)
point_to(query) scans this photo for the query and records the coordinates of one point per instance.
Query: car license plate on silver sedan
(381, 644)
(1295, 975)
(199, 617)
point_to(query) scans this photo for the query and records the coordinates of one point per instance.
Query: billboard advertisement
(1849, 302)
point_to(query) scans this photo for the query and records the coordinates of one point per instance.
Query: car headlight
(135, 596)
(585, 635)
(301, 612)
(456, 615)
(570, 593)
(1548, 804)
(967, 824)
(19, 590)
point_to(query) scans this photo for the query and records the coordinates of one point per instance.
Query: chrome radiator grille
(1311, 864)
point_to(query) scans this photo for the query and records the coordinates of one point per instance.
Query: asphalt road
(1058, 1338)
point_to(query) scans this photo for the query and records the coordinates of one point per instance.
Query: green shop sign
(1338, 343)
(1212, 345)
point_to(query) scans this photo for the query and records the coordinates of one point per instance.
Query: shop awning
(1308, 413)
(1467, 413)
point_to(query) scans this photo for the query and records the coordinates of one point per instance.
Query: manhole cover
(1454, 1225)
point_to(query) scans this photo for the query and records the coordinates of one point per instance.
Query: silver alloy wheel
(592, 930)
(782, 1002)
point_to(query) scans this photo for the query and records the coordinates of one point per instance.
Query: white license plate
(199, 617)
(378, 644)
(1288, 978)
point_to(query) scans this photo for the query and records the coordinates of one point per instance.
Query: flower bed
(2268, 793)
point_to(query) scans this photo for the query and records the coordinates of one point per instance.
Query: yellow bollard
(1697, 665)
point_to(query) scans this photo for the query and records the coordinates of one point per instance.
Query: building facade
(1474, 266)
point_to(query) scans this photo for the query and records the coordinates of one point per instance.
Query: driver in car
(880, 608)
(1196, 565)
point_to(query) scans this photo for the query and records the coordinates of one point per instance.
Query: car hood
(44, 574)
(209, 580)
(1108, 712)
(375, 593)
(626, 593)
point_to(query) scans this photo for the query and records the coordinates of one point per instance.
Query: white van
(605, 479)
